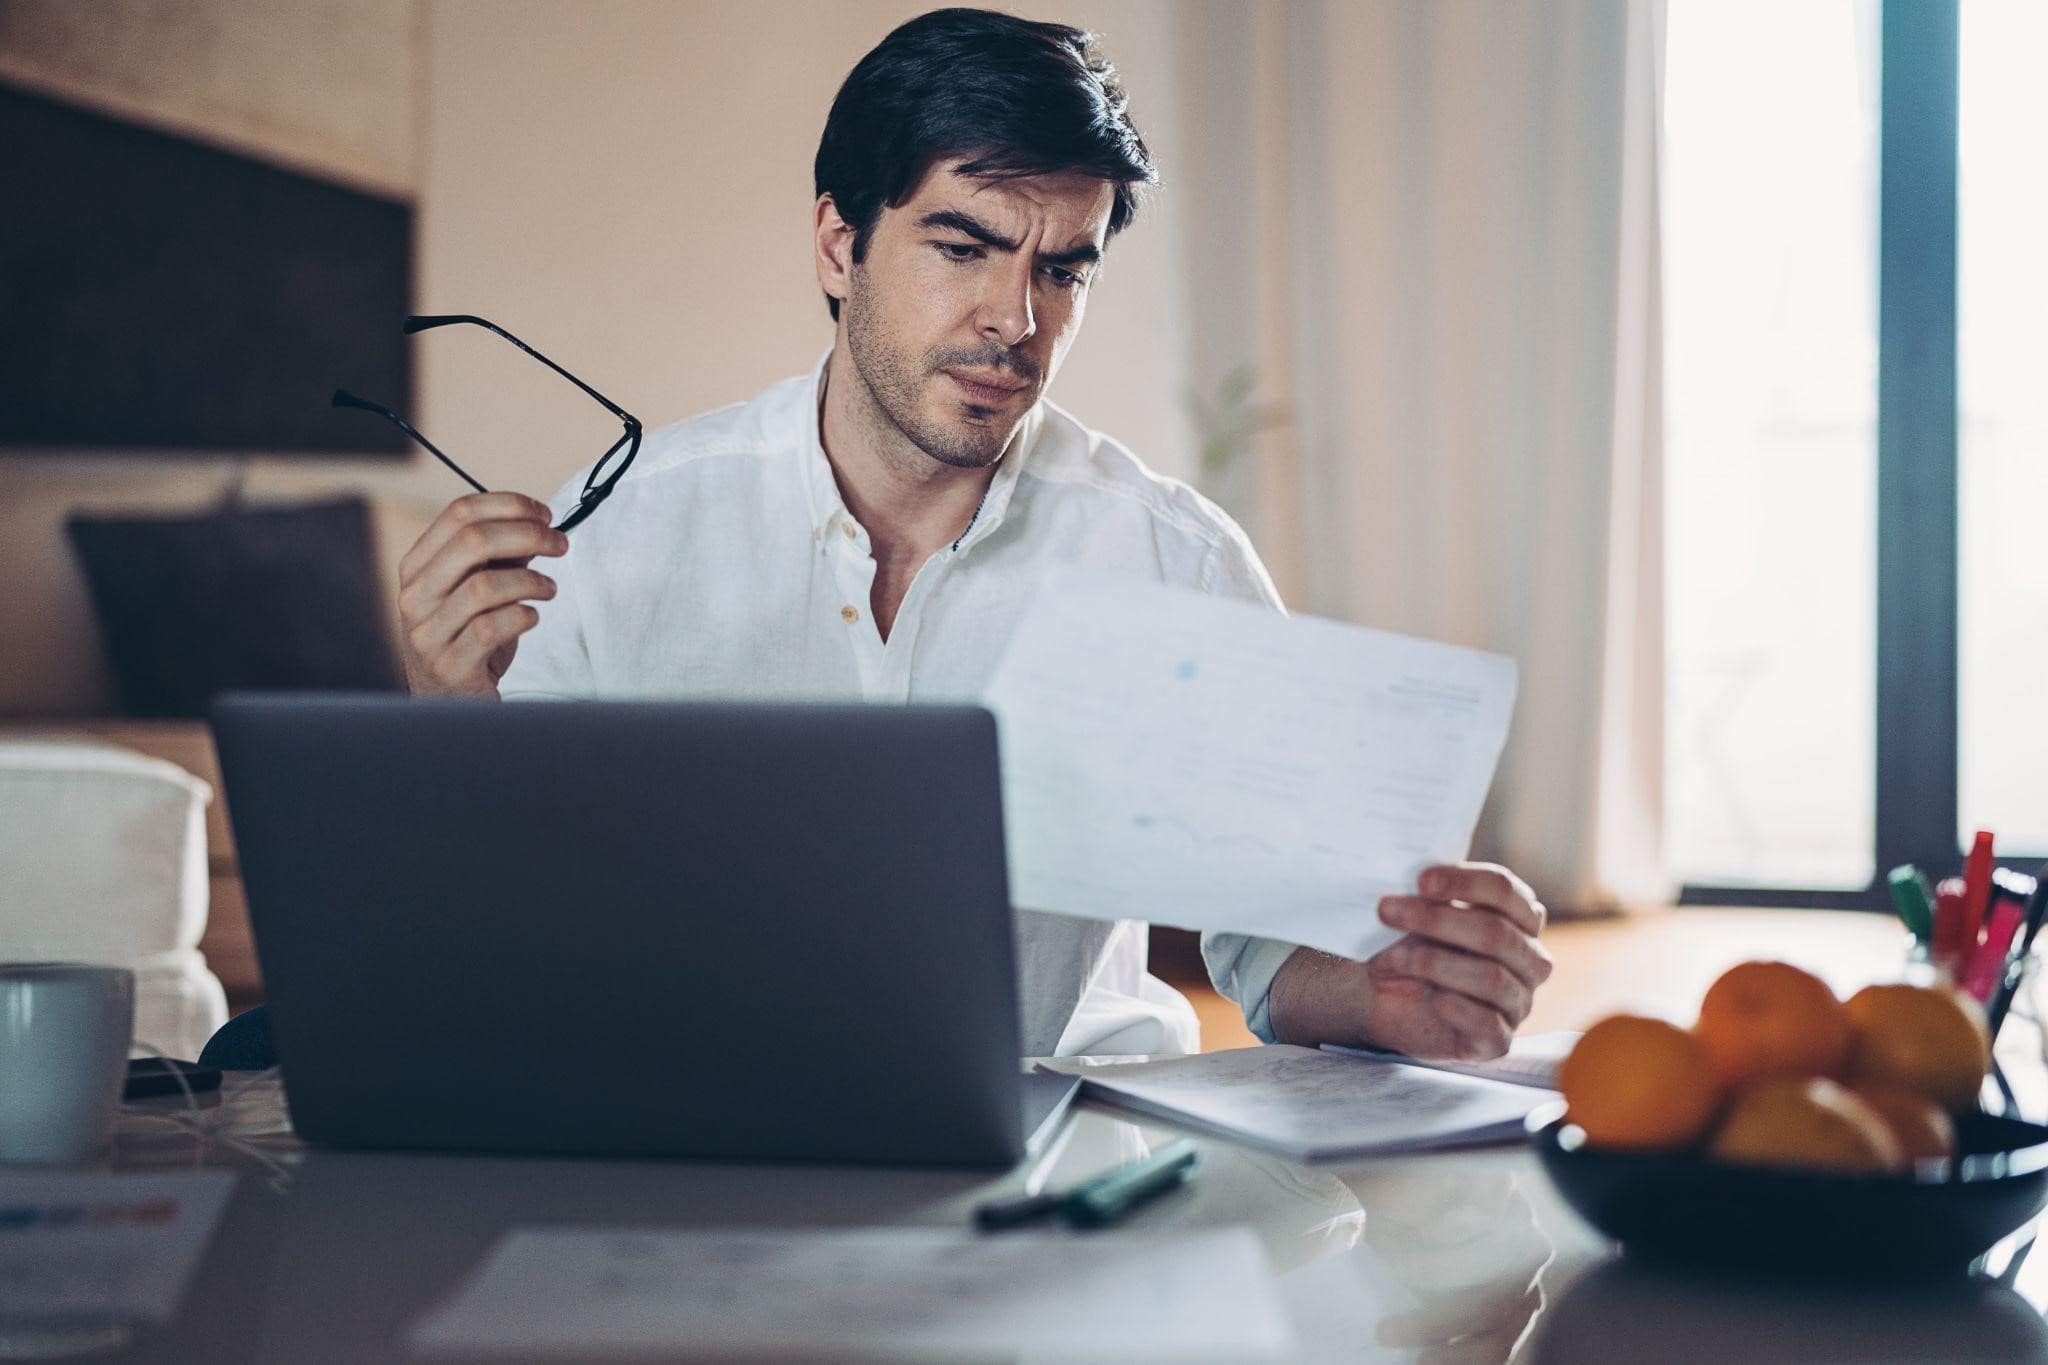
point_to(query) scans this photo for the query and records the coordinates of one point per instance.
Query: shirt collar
(821, 489)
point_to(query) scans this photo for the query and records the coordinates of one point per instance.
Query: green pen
(1913, 898)
(1107, 1198)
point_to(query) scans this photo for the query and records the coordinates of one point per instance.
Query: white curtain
(1431, 229)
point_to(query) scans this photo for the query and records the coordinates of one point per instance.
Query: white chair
(103, 860)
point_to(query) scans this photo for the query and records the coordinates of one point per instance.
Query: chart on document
(1188, 760)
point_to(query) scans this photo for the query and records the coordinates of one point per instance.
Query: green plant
(1228, 420)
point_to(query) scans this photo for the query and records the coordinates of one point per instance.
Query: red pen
(1987, 968)
(1947, 947)
(1976, 889)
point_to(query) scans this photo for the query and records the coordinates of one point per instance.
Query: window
(1857, 437)
(1770, 311)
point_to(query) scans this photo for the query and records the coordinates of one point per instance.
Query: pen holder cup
(1921, 969)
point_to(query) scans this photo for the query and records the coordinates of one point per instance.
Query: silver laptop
(763, 932)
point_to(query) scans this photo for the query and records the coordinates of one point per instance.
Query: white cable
(193, 1123)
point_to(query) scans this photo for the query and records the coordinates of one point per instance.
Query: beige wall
(627, 185)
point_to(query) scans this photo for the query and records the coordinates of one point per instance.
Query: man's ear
(832, 239)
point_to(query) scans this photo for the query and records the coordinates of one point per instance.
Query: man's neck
(909, 503)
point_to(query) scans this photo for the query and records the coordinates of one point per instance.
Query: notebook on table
(1319, 1105)
(1532, 1060)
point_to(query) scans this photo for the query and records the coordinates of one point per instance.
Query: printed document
(1312, 1105)
(103, 1247)
(1174, 757)
(880, 1293)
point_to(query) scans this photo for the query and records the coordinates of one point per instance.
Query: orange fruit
(1921, 1129)
(1772, 1019)
(1639, 1084)
(1808, 1123)
(1930, 1040)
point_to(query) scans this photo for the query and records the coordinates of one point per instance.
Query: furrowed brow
(956, 221)
(968, 226)
(1085, 254)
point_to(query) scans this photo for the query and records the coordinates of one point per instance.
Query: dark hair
(1020, 98)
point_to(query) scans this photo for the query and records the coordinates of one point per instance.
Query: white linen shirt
(725, 564)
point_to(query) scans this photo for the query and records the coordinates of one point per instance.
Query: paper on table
(1533, 1059)
(877, 1292)
(1188, 760)
(1316, 1106)
(93, 1247)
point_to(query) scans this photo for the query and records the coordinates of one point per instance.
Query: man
(876, 528)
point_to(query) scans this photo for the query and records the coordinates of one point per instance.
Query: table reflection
(1623, 1311)
(1432, 1259)
(1467, 1248)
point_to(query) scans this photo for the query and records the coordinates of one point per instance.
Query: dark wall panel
(155, 293)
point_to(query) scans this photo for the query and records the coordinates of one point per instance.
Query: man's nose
(1004, 314)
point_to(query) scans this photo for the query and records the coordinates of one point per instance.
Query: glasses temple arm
(421, 322)
(344, 399)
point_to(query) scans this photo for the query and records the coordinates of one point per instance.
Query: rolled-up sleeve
(1242, 969)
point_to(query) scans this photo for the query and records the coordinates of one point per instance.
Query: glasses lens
(612, 465)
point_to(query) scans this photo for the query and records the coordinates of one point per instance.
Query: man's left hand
(1455, 987)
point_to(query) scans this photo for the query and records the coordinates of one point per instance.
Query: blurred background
(1692, 353)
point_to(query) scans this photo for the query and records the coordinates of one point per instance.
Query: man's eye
(955, 251)
(1065, 279)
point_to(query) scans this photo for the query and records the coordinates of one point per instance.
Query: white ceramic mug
(65, 1031)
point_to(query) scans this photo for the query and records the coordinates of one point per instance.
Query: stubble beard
(894, 383)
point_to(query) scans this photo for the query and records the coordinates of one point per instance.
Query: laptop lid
(770, 932)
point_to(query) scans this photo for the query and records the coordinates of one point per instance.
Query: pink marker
(1987, 967)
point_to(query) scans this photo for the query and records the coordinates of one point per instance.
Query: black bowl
(1684, 1209)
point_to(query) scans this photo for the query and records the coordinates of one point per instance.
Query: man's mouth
(993, 390)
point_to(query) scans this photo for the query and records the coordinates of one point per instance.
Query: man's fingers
(463, 512)
(1490, 885)
(1472, 928)
(463, 662)
(470, 548)
(1482, 979)
(481, 592)
(1463, 977)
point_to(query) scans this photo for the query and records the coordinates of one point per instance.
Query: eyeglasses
(604, 475)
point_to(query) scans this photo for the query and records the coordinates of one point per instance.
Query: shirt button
(849, 613)
(847, 527)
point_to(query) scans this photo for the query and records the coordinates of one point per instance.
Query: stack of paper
(877, 1293)
(1188, 760)
(1313, 1105)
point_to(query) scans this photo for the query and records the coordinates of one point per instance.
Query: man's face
(970, 294)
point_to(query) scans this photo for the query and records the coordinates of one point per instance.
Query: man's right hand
(462, 591)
